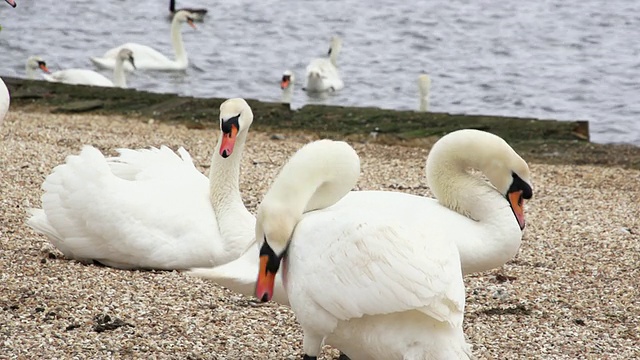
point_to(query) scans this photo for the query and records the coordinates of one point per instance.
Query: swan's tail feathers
(40, 224)
(66, 191)
(149, 163)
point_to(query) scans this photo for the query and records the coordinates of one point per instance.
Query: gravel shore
(573, 291)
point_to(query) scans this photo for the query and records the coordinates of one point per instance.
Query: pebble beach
(572, 292)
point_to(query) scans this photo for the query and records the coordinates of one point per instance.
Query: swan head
(235, 119)
(35, 62)
(184, 16)
(287, 79)
(489, 153)
(126, 55)
(11, 2)
(336, 45)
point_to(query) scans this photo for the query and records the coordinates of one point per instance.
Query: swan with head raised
(148, 58)
(323, 74)
(151, 209)
(197, 13)
(485, 220)
(33, 64)
(372, 284)
(287, 85)
(90, 77)
(424, 85)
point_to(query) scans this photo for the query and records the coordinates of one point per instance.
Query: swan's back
(145, 57)
(128, 214)
(78, 77)
(322, 75)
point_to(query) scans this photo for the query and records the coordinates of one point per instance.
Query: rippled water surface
(568, 60)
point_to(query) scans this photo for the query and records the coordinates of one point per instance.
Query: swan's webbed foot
(343, 356)
(307, 357)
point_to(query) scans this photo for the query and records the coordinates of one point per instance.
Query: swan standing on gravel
(323, 74)
(151, 209)
(149, 59)
(197, 14)
(484, 220)
(424, 85)
(90, 77)
(287, 85)
(374, 285)
(33, 64)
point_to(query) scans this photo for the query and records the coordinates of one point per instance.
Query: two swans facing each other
(485, 220)
(148, 58)
(151, 209)
(374, 285)
(90, 77)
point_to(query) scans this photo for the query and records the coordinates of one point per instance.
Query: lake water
(560, 59)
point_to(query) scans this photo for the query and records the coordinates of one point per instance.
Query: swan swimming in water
(484, 220)
(323, 74)
(287, 85)
(90, 77)
(372, 284)
(151, 209)
(148, 58)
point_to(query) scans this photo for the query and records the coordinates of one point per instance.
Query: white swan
(151, 209)
(287, 85)
(488, 241)
(197, 13)
(373, 284)
(424, 85)
(323, 74)
(90, 77)
(33, 64)
(149, 59)
(11, 2)
(5, 100)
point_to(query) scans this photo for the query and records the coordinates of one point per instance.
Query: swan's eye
(42, 63)
(517, 184)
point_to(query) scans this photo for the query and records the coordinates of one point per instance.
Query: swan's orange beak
(517, 205)
(285, 83)
(11, 2)
(190, 22)
(228, 141)
(266, 280)
(44, 68)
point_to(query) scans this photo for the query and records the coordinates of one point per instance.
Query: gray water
(559, 59)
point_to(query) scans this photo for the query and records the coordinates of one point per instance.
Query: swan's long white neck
(235, 222)
(424, 102)
(31, 72)
(119, 77)
(315, 177)
(178, 45)
(498, 234)
(336, 46)
(287, 94)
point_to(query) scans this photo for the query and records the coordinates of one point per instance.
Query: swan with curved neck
(323, 74)
(148, 58)
(151, 209)
(197, 13)
(485, 220)
(366, 281)
(287, 85)
(90, 77)
(424, 85)
(33, 64)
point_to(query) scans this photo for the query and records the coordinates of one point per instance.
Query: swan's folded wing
(375, 268)
(161, 223)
